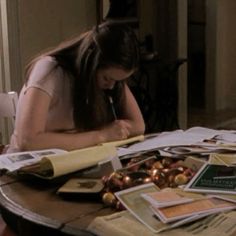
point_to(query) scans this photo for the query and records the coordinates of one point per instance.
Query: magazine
(141, 209)
(165, 198)
(136, 205)
(214, 178)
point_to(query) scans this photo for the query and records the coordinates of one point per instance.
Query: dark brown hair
(107, 45)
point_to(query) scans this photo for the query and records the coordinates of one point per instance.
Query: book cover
(165, 198)
(81, 189)
(214, 178)
(206, 206)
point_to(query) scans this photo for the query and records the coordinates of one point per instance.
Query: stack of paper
(174, 205)
(201, 208)
(166, 209)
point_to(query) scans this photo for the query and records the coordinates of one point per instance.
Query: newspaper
(125, 224)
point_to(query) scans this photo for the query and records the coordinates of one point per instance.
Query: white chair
(8, 103)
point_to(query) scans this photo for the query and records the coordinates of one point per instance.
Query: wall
(166, 20)
(196, 54)
(147, 25)
(44, 23)
(221, 55)
(226, 55)
(30, 26)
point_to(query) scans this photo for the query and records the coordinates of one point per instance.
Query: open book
(52, 163)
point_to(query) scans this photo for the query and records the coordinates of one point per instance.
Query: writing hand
(117, 130)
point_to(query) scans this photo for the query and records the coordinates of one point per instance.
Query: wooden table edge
(12, 208)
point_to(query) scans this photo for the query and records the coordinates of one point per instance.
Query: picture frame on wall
(126, 11)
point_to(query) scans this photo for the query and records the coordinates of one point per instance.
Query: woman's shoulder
(43, 67)
(45, 62)
(46, 75)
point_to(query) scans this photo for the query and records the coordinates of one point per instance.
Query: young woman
(67, 99)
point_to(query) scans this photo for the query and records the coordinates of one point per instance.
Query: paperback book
(214, 178)
(165, 198)
(142, 210)
(201, 207)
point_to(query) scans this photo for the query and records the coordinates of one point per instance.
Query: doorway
(196, 54)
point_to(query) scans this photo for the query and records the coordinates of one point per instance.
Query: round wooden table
(34, 208)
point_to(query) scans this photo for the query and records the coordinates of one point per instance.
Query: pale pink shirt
(51, 79)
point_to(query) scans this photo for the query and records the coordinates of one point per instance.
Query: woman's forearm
(71, 141)
(65, 141)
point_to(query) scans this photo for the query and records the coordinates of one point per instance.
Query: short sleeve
(44, 75)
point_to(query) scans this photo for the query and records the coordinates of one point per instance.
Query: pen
(112, 107)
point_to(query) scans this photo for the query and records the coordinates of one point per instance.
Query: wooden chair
(8, 102)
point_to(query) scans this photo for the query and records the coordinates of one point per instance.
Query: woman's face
(106, 78)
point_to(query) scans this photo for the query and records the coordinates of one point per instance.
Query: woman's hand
(117, 130)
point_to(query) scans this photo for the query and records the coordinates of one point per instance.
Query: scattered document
(133, 202)
(227, 137)
(123, 223)
(142, 210)
(51, 163)
(192, 136)
(15, 161)
(53, 166)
